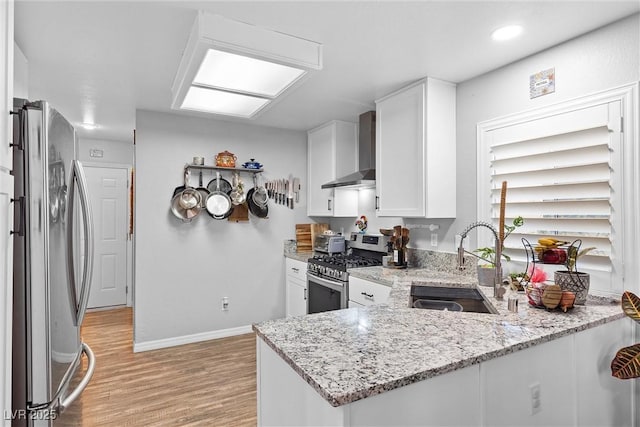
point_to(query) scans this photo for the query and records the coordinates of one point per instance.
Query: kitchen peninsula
(394, 365)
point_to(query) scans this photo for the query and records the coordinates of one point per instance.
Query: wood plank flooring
(211, 383)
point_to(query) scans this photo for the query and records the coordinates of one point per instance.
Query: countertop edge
(326, 396)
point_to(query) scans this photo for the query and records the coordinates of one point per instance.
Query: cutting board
(306, 235)
(240, 213)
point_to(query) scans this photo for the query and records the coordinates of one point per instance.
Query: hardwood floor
(211, 383)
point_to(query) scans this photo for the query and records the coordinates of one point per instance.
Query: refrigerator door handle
(91, 365)
(78, 178)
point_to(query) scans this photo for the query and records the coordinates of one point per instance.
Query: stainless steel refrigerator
(53, 258)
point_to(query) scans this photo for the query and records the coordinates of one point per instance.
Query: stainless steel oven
(327, 275)
(325, 294)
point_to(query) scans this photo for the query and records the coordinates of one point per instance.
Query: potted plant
(486, 269)
(626, 364)
(571, 279)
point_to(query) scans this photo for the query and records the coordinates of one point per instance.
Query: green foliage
(626, 364)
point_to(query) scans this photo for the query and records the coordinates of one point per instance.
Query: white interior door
(108, 191)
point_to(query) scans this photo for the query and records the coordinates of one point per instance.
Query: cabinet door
(296, 297)
(400, 153)
(321, 169)
(6, 83)
(6, 286)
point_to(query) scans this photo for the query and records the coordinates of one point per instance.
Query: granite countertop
(351, 354)
(299, 256)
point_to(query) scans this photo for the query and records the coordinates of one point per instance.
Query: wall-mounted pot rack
(221, 168)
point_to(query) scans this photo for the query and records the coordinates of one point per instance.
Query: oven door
(325, 294)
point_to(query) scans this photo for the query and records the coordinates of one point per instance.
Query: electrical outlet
(434, 240)
(225, 303)
(536, 400)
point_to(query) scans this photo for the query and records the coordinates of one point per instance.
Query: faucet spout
(498, 264)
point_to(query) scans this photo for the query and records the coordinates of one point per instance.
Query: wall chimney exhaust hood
(237, 69)
(365, 177)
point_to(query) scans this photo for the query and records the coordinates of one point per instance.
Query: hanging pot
(254, 208)
(218, 202)
(189, 197)
(259, 195)
(178, 211)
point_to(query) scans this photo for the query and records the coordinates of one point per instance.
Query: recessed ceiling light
(507, 33)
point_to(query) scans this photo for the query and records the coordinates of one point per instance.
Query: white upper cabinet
(416, 151)
(6, 84)
(331, 154)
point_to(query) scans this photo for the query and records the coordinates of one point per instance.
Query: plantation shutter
(564, 178)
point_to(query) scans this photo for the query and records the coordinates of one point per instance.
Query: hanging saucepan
(218, 202)
(181, 213)
(189, 197)
(254, 208)
(225, 186)
(259, 195)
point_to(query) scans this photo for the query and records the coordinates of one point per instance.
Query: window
(565, 174)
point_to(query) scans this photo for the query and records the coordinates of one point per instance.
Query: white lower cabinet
(296, 287)
(363, 292)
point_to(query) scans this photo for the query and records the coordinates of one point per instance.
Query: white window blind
(564, 178)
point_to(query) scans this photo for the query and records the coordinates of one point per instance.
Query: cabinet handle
(21, 217)
(370, 296)
(329, 204)
(305, 294)
(377, 202)
(295, 269)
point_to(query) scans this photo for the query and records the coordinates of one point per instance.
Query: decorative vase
(486, 276)
(574, 281)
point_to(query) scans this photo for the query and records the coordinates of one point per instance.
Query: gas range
(335, 266)
(364, 250)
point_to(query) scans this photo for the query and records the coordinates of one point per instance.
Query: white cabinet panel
(6, 287)
(331, 154)
(296, 287)
(416, 151)
(6, 83)
(364, 292)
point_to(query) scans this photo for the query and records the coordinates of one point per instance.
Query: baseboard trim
(189, 339)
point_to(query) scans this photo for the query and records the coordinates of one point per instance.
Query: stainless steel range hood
(365, 177)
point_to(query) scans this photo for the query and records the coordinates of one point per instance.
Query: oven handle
(336, 286)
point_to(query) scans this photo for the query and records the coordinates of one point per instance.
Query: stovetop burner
(343, 261)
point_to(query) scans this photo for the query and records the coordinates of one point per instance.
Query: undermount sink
(449, 298)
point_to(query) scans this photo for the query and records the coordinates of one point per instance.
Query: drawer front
(367, 293)
(296, 269)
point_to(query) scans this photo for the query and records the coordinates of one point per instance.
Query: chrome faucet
(498, 291)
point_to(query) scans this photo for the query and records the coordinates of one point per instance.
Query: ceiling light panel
(220, 102)
(244, 74)
(242, 59)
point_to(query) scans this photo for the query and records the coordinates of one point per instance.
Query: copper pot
(226, 160)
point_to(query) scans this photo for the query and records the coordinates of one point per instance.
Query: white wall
(112, 151)
(183, 270)
(20, 74)
(599, 60)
